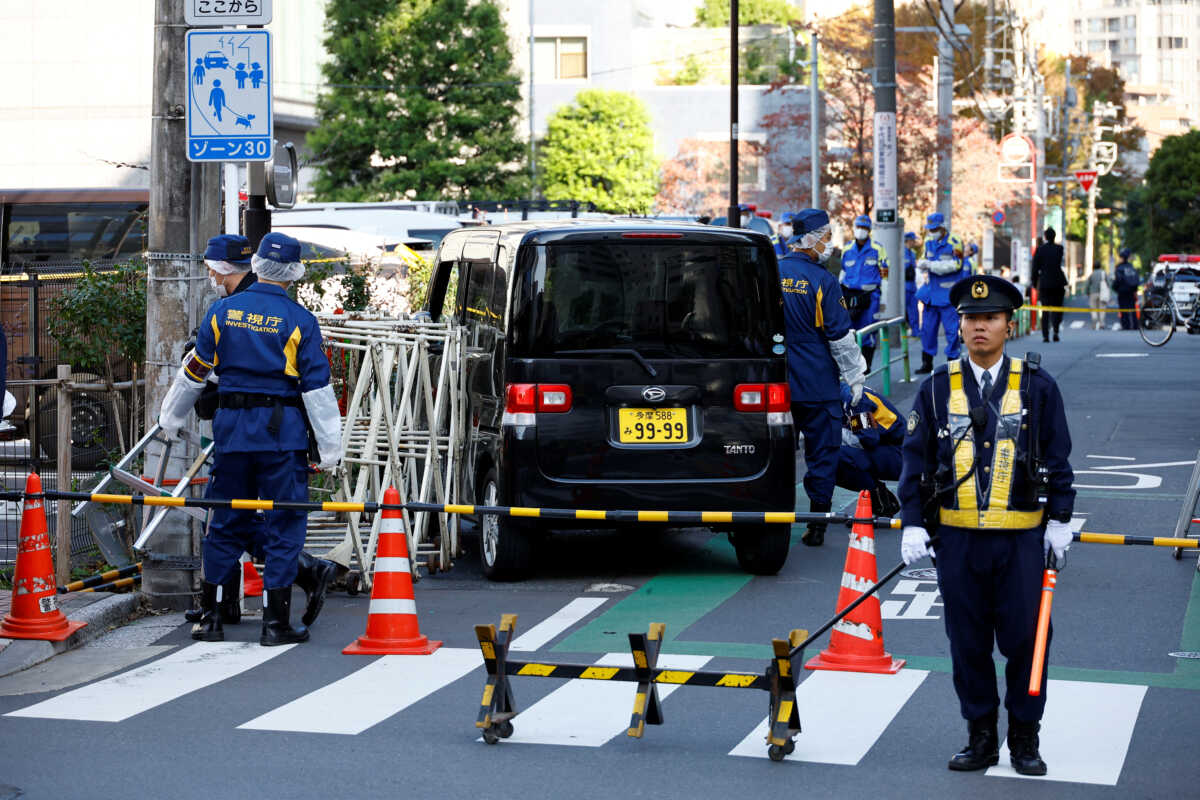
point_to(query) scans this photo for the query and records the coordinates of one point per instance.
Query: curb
(102, 614)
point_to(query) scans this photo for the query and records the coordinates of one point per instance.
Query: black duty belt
(244, 400)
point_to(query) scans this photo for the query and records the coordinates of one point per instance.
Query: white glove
(1058, 537)
(944, 266)
(922, 263)
(915, 544)
(326, 422)
(856, 393)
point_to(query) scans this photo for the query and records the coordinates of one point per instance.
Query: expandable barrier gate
(405, 426)
(1188, 512)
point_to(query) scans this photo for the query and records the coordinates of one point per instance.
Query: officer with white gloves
(820, 350)
(864, 266)
(985, 461)
(943, 262)
(273, 372)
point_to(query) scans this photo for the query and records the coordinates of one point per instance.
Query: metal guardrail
(885, 350)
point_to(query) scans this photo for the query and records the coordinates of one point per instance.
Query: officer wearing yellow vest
(986, 469)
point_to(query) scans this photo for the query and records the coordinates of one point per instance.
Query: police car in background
(621, 365)
(1186, 288)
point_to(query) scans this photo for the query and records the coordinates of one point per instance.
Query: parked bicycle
(1167, 304)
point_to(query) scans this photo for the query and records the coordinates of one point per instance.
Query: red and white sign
(1086, 178)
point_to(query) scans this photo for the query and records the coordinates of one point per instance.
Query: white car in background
(396, 225)
(386, 263)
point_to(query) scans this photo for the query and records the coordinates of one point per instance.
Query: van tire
(762, 549)
(505, 545)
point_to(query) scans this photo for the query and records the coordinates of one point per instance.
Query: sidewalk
(101, 611)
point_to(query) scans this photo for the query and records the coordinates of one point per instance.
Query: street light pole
(814, 119)
(945, 108)
(885, 198)
(732, 217)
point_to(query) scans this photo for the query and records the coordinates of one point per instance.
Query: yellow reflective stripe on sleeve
(216, 329)
(1002, 520)
(289, 354)
(818, 312)
(540, 670)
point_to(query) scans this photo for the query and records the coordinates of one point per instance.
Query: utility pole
(1089, 246)
(814, 119)
(184, 210)
(532, 140)
(886, 204)
(1068, 102)
(945, 110)
(732, 215)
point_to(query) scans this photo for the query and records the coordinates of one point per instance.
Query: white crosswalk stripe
(589, 713)
(556, 623)
(842, 714)
(161, 681)
(1086, 732)
(370, 695)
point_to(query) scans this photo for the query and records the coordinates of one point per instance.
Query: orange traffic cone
(251, 580)
(35, 613)
(392, 627)
(856, 643)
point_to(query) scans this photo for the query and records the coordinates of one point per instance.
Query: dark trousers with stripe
(991, 586)
(821, 424)
(248, 476)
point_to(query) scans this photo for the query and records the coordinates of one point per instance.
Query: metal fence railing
(886, 359)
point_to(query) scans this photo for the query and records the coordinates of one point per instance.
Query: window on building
(1096, 45)
(1130, 23)
(1079, 26)
(1095, 25)
(560, 58)
(1114, 24)
(1172, 42)
(1130, 45)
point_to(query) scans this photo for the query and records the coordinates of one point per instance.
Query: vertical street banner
(229, 95)
(886, 204)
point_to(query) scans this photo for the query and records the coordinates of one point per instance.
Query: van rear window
(677, 299)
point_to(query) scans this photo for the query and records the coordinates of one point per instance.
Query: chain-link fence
(105, 409)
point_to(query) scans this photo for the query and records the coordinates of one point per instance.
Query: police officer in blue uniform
(783, 233)
(266, 350)
(944, 263)
(864, 264)
(912, 313)
(986, 468)
(228, 260)
(872, 432)
(970, 259)
(821, 347)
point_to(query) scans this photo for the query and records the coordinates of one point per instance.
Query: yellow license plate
(652, 425)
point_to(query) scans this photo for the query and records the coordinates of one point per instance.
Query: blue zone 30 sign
(229, 95)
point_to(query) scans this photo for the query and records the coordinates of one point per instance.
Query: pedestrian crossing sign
(229, 95)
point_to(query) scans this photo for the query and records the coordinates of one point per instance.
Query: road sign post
(1086, 178)
(229, 95)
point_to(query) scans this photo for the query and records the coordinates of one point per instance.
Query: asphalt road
(146, 710)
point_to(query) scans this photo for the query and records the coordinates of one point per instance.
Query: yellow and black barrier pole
(1145, 541)
(497, 707)
(673, 517)
(100, 581)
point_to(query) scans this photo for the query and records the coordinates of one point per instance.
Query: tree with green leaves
(715, 13)
(600, 149)
(1165, 216)
(420, 100)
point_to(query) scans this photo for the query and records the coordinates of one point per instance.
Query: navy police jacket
(1000, 494)
(259, 341)
(815, 314)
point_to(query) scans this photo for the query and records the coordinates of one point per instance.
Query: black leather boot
(814, 535)
(926, 364)
(883, 502)
(208, 627)
(1023, 747)
(231, 600)
(983, 746)
(277, 624)
(314, 575)
(869, 356)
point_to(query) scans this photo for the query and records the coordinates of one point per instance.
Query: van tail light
(554, 398)
(520, 403)
(750, 397)
(779, 397)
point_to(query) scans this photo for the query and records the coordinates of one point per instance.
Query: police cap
(934, 221)
(809, 220)
(862, 221)
(980, 294)
(229, 247)
(279, 247)
(910, 236)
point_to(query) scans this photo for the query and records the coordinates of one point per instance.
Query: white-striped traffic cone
(392, 627)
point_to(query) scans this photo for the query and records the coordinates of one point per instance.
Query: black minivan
(621, 364)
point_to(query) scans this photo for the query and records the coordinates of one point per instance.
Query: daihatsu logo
(654, 394)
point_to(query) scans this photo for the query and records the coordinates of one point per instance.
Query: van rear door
(652, 337)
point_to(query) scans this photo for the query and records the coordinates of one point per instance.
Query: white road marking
(1114, 458)
(556, 623)
(1148, 466)
(370, 695)
(925, 596)
(182, 672)
(1122, 355)
(586, 713)
(1085, 732)
(1077, 324)
(842, 714)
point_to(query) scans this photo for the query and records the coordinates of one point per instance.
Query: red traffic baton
(1049, 579)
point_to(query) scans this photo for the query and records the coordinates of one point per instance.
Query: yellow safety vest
(973, 507)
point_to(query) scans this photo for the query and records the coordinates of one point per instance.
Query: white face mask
(825, 253)
(217, 286)
(745, 220)
(785, 231)
(861, 234)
